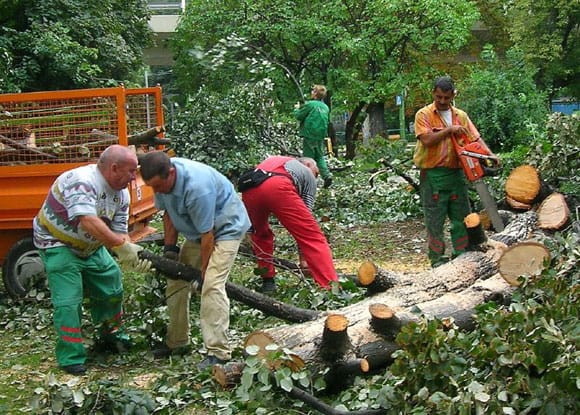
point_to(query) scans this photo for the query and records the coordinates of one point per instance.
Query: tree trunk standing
(349, 132)
(452, 291)
(376, 114)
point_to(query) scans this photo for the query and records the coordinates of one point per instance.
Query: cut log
(262, 340)
(514, 204)
(375, 279)
(523, 259)
(524, 186)
(553, 212)
(148, 136)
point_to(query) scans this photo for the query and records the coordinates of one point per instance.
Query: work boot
(118, 342)
(164, 351)
(209, 362)
(268, 286)
(78, 369)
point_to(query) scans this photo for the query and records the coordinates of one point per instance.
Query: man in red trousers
(289, 195)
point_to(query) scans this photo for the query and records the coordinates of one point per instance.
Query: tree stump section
(384, 321)
(475, 232)
(523, 259)
(553, 212)
(229, 374)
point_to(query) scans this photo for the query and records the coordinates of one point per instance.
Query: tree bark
(350, 131)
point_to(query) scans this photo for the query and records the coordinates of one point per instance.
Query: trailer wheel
(23, 270)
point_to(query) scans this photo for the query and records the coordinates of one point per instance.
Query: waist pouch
(255, 177)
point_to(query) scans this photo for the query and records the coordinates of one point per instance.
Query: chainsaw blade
(489, 205)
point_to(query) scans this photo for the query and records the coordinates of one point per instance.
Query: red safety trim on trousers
(461, 243)
(71, 339)
(436, 245)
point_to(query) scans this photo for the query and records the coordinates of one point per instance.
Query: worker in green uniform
(313, 118)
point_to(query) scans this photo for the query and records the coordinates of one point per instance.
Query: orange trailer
(43, 134)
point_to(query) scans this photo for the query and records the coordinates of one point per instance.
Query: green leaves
(72, 44)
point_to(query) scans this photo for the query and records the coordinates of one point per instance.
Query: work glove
(171, 252)
(128, 255)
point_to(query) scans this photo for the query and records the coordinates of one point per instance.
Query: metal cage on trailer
(43, 134)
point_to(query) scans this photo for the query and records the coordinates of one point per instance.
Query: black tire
(23, 270)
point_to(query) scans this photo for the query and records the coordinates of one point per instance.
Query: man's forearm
(99, 230)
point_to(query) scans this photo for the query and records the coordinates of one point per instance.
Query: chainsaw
(477, 162)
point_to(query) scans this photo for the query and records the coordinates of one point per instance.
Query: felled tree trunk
(451, 291)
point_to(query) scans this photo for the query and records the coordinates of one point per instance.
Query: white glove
(128, 254)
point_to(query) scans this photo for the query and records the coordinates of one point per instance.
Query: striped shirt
(75, 193)
(301, 176)
(442, 154)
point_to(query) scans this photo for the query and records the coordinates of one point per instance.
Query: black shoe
(210, 361)
(327, 182)
(78, 369)
(113, 343)
(164, 351)
(268, 286)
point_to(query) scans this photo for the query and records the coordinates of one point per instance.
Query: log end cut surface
(553, 213)
(523, 184)
(367, 273)
(522, 259)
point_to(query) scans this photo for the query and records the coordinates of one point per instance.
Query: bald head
(311, 164)
(118, 165)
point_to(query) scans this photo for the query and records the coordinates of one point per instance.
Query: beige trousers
(214, 314)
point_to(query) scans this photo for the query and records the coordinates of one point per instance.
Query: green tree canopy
(548, 31)
(67, 44)
(365, 52)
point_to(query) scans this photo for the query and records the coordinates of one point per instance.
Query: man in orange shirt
(443, 183)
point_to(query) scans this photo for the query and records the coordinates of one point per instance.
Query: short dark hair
(444, 83)
(154, 163)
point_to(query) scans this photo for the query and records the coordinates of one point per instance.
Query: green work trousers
(69, 279)
(315, 150)
(443, 195)
(214, 314)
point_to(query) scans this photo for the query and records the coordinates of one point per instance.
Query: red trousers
(278, 196)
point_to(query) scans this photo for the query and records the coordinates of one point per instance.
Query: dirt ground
(395, 246)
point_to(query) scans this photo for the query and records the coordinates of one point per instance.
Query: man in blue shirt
(202, 205)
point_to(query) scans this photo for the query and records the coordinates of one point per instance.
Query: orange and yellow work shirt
(442, 154)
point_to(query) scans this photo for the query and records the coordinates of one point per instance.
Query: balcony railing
(167, 7)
